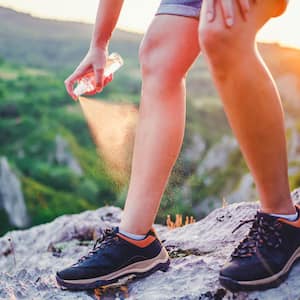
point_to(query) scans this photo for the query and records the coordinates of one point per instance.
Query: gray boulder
(11, 196)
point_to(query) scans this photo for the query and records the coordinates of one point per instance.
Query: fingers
(82, 71)
(245, 8)
(69, 84)
(99, 78)
(227, 10)
(210, 10)
(106, 81)
(75, 76)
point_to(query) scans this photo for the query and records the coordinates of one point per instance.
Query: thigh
(260, 12)
(170, 44)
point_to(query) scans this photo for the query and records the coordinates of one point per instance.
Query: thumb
(75, 76)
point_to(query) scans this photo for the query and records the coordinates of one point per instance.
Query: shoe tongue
(110, 231)
(115, 229)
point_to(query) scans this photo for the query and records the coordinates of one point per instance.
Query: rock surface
(11, 195)
(28, 262)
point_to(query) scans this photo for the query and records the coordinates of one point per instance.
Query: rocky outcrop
(64, 156)
(29, 259)
(245, 191)
(217, 159)
(11, 196)
(195, 151)
(218, 156)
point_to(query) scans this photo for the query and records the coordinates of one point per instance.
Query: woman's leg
(167, 52)
(250, 99)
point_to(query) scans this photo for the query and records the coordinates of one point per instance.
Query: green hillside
(34, 110)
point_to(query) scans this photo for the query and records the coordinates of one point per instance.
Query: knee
(156, 64)
(146, 57)
(216, 42)
(223, 48)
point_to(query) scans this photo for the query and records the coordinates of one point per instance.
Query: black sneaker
(115, 256)
(265, 257)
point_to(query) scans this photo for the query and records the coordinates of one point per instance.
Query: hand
(94, 61)
(227, 10)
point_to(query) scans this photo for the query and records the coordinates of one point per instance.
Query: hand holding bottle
(93, 73)
(87, 84)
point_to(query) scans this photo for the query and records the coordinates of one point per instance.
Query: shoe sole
(139, 269)
(261, 284)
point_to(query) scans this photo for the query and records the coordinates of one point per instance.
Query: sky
(137, 14)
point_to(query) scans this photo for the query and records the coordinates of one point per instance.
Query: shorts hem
(178, 10)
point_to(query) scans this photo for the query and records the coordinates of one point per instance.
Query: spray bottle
(88, 83)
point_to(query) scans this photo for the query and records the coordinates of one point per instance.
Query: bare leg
(167, 52)
(251, 101)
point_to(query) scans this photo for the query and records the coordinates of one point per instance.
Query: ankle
(285, 210)
(132, 236)
(136, 230)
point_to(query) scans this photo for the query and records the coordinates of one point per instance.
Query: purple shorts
(186, 8)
